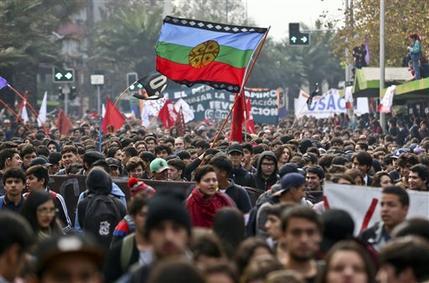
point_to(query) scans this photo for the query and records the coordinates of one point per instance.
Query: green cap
(158, 165)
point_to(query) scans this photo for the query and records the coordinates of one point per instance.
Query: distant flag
(250, 123)
(387, 100)
(3, 82)
(168, 114)
(180, 123)
(187, 112)
(113, 117)
(24, 113)
(238, 118)
(348, 97)
(367, 55)
(64, 125)
(103, 110)
(192, 51)
(41, 118)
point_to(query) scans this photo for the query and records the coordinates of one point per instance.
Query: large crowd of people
(256, 211)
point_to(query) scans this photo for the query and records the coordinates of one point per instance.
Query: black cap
(235, 148)
(40, 160)
(113, 162)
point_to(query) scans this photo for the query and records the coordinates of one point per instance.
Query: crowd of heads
(253, 211)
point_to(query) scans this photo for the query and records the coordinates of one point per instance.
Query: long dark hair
(29, 211)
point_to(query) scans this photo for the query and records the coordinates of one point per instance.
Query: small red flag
(64, 124)
(113, 117)
(180, 123)
(167, 114)
(250, 123)
(238, 118)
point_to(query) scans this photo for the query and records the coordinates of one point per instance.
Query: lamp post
(382, 55)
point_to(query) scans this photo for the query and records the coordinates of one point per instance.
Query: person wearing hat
(240, 176)
(71, 258)
(37, 180)
(168, 229)
(290, 190)
(54, 161)
(159, 169)
(16, 238)
(115, 167)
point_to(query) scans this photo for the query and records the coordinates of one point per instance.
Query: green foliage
(26, 28)
(401, 19)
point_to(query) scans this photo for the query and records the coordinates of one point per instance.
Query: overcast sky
(278, 13)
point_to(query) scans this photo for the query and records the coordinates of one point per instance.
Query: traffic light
(73, 93)
(60, 75)
(60, 93)
(296, 37)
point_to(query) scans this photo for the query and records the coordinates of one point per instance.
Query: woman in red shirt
(205, 199)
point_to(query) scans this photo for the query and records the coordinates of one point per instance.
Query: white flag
(188, 113)
(103, 110)
(41, 119)
(387, 100)
(24, 113)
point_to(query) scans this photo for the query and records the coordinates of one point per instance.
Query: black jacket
(240, 196)
(242, 177)
(261, 183)
(113, 266)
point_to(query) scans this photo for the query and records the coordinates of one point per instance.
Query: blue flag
(3, 82)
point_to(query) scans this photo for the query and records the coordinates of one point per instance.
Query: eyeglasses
(45, 210)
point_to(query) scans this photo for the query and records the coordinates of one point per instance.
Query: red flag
(167, 114)
(113, 117)
(64, 124)
(238, 118)
(180, 123)
(250, 123)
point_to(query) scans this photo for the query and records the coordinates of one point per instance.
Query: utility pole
(226, 11)
(382, 55)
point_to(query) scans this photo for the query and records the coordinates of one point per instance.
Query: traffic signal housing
(296, 37)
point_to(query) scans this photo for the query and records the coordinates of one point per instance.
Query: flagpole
(24, 98)
(10, 109)
(247, 73)
(123, 92)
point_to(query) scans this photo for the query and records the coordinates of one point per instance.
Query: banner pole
(246, 78)
(24, 98)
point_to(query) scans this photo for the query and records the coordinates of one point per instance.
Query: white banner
(363, 203)
(324, 106)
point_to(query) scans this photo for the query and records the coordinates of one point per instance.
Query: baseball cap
(235, 148)
(288, 181)
(158, 165)
(40, 160)
(56, 247)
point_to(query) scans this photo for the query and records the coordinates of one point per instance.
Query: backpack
(127, 251)
(102, 214)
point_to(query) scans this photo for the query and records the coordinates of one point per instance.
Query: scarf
(202, 208)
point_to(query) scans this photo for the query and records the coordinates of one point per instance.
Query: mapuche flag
(192, 51)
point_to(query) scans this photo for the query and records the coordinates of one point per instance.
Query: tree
(224, 11)
(125, 41)
(26, 28)
(401, 19)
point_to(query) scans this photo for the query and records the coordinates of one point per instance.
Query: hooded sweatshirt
(261, 182)
(100, 183)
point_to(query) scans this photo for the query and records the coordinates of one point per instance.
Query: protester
(347, 261)
(14, 184)
(69, 258)
(39, 210)
(205, 199)
(16, 238)
(394, 209)
(302, 234)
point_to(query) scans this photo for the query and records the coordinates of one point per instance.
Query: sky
(279, 13)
